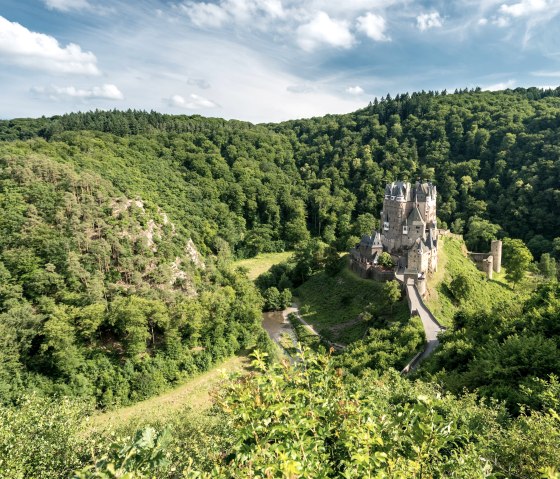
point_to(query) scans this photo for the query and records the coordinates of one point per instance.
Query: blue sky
(265, 60)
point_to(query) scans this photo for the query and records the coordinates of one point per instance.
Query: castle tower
(496, 252)
(487, 266)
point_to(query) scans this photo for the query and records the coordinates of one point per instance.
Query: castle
(408, 233)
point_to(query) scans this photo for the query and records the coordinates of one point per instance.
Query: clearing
(262, 263)
(195, 394)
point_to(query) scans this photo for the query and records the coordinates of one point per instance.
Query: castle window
(405, 230)
(386, 226)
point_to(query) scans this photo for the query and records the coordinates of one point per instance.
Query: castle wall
(368, 271)
(421, 286)
(492, 259)
(397, 211)
(478, 257)
(433, 261)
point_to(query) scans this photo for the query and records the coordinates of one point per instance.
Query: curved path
(295, 310)
(431, 326)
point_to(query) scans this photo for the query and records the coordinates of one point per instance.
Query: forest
(118, 236)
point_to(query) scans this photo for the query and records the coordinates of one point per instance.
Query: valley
(139, 252)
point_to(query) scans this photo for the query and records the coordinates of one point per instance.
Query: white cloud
(20, 46)
(351, 7)
(483, 21)
(500, 86)
(501, 22)
(323, 30)
(524, 8)
(104, 92)
(373, 26)
(194, 102)
(215, 15)
(67, 5)
(355, 90)
(429, 20)
(205, 14)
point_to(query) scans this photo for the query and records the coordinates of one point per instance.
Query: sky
(265, 60)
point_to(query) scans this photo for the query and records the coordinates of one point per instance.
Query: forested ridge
(118, 232)
(493, 156)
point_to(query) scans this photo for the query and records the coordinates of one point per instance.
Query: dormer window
(386, 226)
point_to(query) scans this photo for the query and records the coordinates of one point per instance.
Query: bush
(38, 438)
(386, 260)
(275, 300)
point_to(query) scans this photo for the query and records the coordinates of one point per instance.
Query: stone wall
(367, 271)
(489, 262)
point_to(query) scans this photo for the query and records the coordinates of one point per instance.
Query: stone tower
(496, 252)
(409, 214)
(487, 266)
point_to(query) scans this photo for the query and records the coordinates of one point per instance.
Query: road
(431, 327)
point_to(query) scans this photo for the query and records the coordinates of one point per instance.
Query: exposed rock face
(154, 232)
(121, 205)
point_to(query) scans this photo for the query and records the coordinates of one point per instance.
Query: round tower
(487, 266)
(496, 252)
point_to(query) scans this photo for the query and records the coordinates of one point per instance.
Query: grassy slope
(262, 263)
(452, 261)
(194, 394)
(336, 302)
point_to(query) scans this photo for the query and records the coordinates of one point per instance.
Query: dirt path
(295, 310)
(194, 393)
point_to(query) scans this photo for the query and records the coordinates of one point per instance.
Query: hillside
(491, 155)
(482, 294)
(121, 234)
(348, 310)
(102, 295)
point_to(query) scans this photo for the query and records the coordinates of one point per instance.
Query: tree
(480, 233)
(461, 286)
(365, 224)
(333, 263)
(391, 292)
(272, 299)
(547, 266)
(516, 259)
(286, 297)
(386, 260)
(309, 257)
